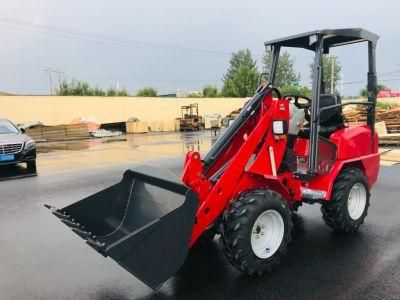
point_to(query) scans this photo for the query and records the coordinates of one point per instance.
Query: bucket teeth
(60, 215)
(99, 247)
(83, 234)
(52, 208)
(71, 224)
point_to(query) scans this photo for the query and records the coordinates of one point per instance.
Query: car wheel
(31, 165)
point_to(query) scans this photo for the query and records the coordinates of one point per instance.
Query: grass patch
(383, 105)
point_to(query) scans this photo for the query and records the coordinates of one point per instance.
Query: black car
(15, 146)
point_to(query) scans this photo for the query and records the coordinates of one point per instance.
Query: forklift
(277, 154)
(190, 119)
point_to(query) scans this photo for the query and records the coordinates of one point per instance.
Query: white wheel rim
(267, 234)
(357, 201)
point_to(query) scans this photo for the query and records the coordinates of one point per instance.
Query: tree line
(240, 80)
(79, 88)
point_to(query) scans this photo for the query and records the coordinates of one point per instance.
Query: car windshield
(7, 127)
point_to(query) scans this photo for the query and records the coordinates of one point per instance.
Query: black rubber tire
(31, 166)
(237, 226)
(335, 211)
(208, 236)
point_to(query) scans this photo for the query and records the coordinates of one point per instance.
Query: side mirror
(22, 130)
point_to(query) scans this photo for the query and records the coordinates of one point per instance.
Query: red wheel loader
(277, 154)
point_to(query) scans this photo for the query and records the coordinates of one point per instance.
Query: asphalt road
(41, 259)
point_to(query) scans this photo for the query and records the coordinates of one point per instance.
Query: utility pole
(332, 73)
(49, 71)
(59, 72)
(342, 92)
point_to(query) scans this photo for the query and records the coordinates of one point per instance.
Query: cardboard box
(167, 126)
(137, 127)
(155, 126)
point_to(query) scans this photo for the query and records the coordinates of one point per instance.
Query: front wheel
(348, 206)
(31, 166)
(256, 230)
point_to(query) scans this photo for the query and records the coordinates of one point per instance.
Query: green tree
(111, 92)
(285, 75)
(329, 62)
(364, 91)
(80, 88)
(74, 88)
(296, 90)
(194, 95)
(64, 89)
(210, 91)
(122, 92)
(241, 79)
(98, 92)
(147, 92)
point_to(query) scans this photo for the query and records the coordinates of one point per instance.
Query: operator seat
(331, 120)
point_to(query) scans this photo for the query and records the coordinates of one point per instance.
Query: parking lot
(40, 258)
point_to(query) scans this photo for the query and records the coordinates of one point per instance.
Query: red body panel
(249, 158)
(354, 141)
(368, 163)
(354, 147)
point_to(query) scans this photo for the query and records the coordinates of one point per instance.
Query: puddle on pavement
(176, 142)
(170, 143)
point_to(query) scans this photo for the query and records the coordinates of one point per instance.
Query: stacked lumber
(391, 117)
(389, 139)
(387, 122)
(59, 132)
(359, 115)
(390, 156)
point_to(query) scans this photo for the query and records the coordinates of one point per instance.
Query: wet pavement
(41, 259)
(71, 156)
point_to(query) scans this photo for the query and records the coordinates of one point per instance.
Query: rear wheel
(256, 230)
(348, 206)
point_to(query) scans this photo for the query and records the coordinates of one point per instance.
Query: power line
(59, 72)
(101, 38)
(363, 81)
(132, 79)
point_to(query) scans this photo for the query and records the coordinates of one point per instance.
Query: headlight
(30, 144)
(279, 127)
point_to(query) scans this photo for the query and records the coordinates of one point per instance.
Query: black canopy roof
(332, 38)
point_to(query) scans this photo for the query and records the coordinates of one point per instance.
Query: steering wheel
(306, 107)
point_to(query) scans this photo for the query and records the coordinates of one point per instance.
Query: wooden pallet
(59, 133)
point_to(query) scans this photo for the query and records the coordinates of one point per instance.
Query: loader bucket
(144, 223)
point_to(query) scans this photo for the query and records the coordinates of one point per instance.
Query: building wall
(54, 110)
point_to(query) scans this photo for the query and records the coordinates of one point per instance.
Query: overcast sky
(144, 40)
